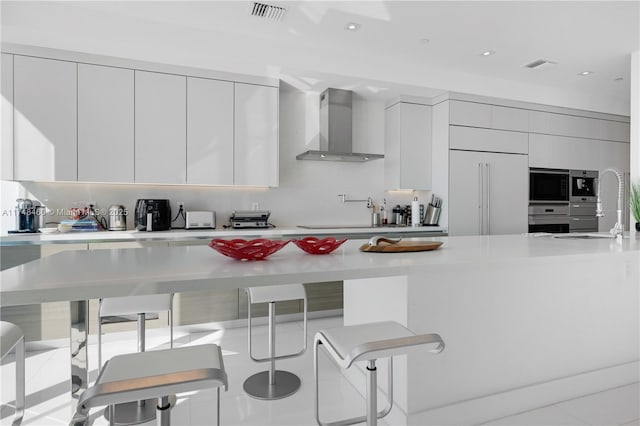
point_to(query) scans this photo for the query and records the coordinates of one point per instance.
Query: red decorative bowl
(315, 245)
(240, 249)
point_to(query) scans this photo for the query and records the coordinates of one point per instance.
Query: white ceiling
(310, 49)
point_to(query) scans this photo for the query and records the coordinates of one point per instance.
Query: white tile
(614, 407)
(548, 416)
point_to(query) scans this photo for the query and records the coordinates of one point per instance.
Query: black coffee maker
(152, 215)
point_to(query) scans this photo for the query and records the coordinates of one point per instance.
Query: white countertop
(193, 234)
(79, 275)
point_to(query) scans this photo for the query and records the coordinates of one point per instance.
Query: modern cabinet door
(256, 135)
(407, 146)
(506, 193)
(466, 186)
(6, 112)
(160, 128)
(487, 193)
(45, 119)
(209, 131)
(105, 124)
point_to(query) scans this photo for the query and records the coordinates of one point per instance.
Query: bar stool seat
(274, 384)
(368, 342)
(139, 411)
(11, 336)
(156, 374)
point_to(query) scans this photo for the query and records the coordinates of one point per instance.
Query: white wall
(308, 189)
(635, 121)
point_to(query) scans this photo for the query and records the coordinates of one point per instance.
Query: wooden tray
(388, 246)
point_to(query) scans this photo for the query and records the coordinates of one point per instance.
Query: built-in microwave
(548, 185)
(583, 186)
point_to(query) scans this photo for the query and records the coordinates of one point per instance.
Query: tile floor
(48, 399)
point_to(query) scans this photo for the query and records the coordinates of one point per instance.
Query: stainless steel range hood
(336, 137)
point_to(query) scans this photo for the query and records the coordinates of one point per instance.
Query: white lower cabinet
(105, 124)
(45, 119)
(256, 135)
(487, 193)
(160, 128)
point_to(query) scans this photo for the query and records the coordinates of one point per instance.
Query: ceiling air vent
(263, 10)
(539, 63)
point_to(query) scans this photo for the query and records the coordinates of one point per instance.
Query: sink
(583, 236)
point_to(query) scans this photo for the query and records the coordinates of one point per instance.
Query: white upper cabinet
(475, 139)
(407, 147)
(6, 112)
(581, 127)
(256, 135)
(506, 118)
(561, 152)
(105, 124)
(209, 131)
(160, 128)
(474, 114)
(470, 114)
(45, 119)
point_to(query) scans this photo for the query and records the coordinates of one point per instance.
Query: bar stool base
(257, 386)
(130, 413)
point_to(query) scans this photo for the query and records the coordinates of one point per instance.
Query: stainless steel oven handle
(487, 165)
(480, 198)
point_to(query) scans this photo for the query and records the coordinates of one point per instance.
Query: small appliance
(200, 220)
(548, 186)
(152, 215)
(583, 186)
(28, 216)
(117, 218)
(250, 219)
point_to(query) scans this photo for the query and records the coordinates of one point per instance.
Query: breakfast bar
(538, 314)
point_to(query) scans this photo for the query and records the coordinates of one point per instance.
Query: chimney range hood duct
(336, 130)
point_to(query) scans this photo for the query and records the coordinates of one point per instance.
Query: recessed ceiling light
(424, 40)
(352, 26)
(488, 53)
(586, 73)
(618, 79)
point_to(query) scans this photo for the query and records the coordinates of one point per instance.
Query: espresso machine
(29, 216)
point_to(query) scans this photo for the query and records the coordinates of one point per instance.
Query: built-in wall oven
(553, 218)
(562, 200)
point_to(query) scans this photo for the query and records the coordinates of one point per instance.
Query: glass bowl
(313, 245)
(240, 249)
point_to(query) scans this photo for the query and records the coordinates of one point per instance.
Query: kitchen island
(548, 317)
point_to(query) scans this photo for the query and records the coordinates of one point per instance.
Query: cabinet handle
(488, 198)
(481, 197)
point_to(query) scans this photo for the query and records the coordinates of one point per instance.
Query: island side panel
(555, 327)
(540, 323)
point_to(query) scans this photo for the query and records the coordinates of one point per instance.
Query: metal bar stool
(274, 384)
(139, 411)
(12, 337)
(368, 342)
(156, 374)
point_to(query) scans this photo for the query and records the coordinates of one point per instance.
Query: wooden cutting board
(386, 246)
